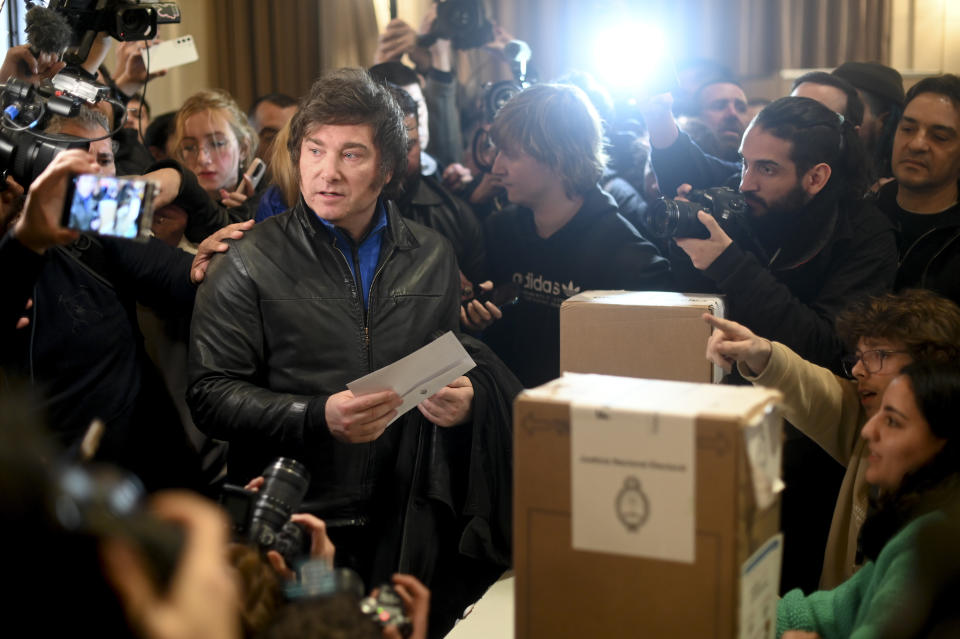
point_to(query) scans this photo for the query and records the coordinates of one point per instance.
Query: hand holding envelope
(452, 405)
(360, 419)
(430, 378)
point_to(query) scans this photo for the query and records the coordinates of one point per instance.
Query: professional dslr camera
(463, 22)
(668, 218)
(263, 517)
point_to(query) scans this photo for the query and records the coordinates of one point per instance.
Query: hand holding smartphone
(504, 295)
(118, 207)
(255, 172)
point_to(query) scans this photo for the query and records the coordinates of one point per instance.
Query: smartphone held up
(118, 207)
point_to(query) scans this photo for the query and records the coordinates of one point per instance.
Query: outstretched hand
(731, 343)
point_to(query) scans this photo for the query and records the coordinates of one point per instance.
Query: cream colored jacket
(826, 408)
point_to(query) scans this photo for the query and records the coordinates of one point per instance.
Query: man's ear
(814, 180)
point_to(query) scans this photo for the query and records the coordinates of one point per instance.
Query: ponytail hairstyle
(820, 135)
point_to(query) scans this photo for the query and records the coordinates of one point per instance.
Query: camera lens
(285, 483)
(661, 218)
(673, 218)
(133, 22)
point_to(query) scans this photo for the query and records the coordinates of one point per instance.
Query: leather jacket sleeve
(227, 360)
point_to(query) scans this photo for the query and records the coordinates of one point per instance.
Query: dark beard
(781, 218)
(793, 231)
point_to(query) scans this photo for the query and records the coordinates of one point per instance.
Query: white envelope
(420, 374)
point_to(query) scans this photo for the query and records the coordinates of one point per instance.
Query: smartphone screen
(118, 207)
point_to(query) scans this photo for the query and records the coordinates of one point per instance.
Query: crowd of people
(395, 209)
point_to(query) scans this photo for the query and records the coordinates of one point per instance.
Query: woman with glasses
(213, 139)
(906, 587)
(886, 333)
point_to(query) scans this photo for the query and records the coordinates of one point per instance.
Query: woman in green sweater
(913, 465)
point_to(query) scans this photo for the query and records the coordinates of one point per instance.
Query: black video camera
(263, 517)
(463, 22)
(24, 156)
(124, 20)
(668, 218)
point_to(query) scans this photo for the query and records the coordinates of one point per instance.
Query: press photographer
(69, 323)
(806, 245)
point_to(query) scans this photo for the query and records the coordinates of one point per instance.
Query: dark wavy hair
(351, 96)
(936, 389)
(818, 134)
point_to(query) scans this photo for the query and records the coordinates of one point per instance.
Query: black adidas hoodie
(596, 250)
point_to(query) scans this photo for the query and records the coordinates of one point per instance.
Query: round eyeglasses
(191, 150)
(872, 360)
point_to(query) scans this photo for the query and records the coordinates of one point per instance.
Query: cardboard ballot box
(649, 334)
(646, 508)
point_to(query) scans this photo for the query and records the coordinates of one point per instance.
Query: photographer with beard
(807, 245)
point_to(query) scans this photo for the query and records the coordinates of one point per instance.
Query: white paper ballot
(420, 374)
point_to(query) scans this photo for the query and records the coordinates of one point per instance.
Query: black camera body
(668, 218)
(463, 22)
(263, 517)
(124, 20)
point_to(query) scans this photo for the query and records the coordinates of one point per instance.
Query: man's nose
(497, 168)
(919, 142)
(329, 167)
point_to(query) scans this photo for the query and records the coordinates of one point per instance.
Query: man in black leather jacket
(337, 287)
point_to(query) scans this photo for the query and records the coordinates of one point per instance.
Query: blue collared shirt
(367, 252)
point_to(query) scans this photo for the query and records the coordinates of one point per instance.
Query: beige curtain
(283, 45)
(348, 33)
(265, 47)
(754, 37)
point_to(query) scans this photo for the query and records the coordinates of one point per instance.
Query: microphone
(518, 53)
(47, 31)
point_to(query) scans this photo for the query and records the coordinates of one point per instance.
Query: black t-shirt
(913, 226)
(929, 245)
